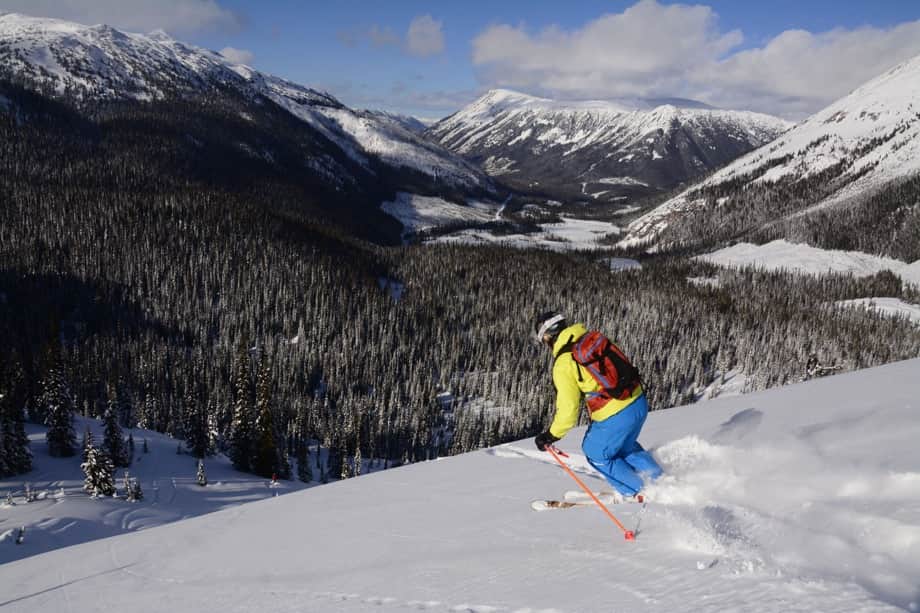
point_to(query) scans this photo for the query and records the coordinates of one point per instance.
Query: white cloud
(174, 16)
(798, 73)
(425, 37)
(237, 56)
(383, 36)
(654, 51)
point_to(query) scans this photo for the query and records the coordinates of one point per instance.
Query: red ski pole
(630, 536)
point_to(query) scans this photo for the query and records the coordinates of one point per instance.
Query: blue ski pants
(612, 447)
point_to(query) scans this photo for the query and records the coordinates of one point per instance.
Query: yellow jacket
(573, 382)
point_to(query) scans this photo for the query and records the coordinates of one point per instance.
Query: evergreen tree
(113, 442)
(126, 484)
(242, 429)
(100, 473)
(357, 461)
(304, 467)
(267, 455)
(57, 404)
(88, 441)
(201, 478)
(137, 493)
(197, 435)
(15, 456)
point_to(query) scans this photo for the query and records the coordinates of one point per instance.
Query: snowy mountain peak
(859, 143)
(101, 62)
(600, 149)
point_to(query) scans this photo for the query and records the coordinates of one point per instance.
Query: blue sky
(429, 58)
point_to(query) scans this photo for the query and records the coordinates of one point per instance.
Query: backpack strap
(567, 348)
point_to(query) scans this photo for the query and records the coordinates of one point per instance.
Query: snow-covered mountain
(854, 147)
(600, 150)
(102, 63)
(804, 498)
(408, 122)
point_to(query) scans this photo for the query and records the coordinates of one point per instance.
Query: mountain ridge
(599, 150)
(859, 144)
(103, 63)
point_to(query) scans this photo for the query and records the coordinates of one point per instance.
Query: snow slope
(570, 234)
(804, 498)
(783, 255)
(64, 515)
(416, 212)
(892, 307)
(100, 62)
(874, 132)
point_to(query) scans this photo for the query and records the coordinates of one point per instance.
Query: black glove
(544, 440)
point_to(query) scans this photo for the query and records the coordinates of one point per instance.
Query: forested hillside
(145, 257)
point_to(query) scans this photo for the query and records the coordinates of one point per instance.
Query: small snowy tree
(202, 477)
(100, 473)
(357, 461)
(136, 492)
(132, 488)
(113, 442)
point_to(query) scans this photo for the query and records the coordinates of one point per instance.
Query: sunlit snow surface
(805, 498)
(568, 235)
(795, 257)
(887, 306)
(418, 213)
(63, 515)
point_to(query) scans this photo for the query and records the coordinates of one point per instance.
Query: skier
(611, 443)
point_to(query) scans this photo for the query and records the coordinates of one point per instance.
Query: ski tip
(630, 535)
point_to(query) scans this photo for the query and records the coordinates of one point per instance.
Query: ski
(605, 497)
(546, 505)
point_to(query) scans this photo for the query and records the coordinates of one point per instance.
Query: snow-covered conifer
(241, 431)
(304, 467)
(58, 407)
(197, 436)
(201, 477)
(100, 473)
(266, 454)
(113, 442)
(137, 493)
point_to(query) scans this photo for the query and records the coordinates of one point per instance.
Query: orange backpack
(609, 366)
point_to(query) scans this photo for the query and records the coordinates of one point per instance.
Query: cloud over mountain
(652, 50)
